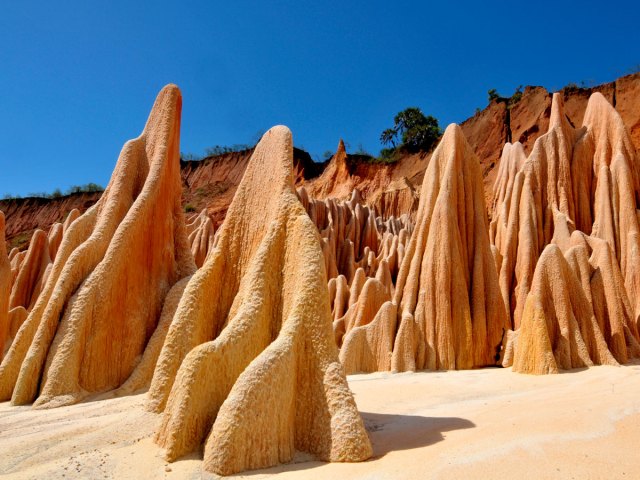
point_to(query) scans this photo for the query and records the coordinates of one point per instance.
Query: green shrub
(222, 149)
(516, 97)
(493, 95)
(388, 156)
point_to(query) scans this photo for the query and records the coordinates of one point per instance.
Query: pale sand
(488, 423)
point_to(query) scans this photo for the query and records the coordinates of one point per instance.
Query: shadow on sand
(390, 432)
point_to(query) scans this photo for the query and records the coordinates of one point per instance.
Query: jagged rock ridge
(566, 232)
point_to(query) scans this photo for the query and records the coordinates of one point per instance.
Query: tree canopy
(412, 130)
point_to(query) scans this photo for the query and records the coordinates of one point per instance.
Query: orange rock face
(102, 298)
(111, 301)
(31, 272)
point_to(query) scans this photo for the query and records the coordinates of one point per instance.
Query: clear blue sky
(78, 78)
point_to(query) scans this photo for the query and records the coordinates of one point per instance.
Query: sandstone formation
(31, 272)
(447, 295)
(566, 232)
(354, 237)
(416, 296)
(102, 297)
(249, 367)
(26, 215)
(528, 119)
(363, 253)
(23, 275)
(388, 188)
(241, 324)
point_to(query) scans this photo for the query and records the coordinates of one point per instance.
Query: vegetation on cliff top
(412, 132)
(493, 95)
(57, 193)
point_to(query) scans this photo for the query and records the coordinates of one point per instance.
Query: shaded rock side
(102, 299)
(249, 367)
(201, 231)
(5, 290)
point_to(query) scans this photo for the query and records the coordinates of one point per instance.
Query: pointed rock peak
(340, 157)
(557, 111)
(264, 336)
(451, 138)
(610, 135)
(518, 147)
(597, 100)
(444, 255)
(558, 328)
(168, 106)
(453, 131)
(119, 259)
(453, 143)
(513, 154)
(272, 159)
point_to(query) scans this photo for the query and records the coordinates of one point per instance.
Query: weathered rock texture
(354, 237)
(201, 231)
(362, 253)
(447, 295)
(411, 297)
(23, 275)
(566, 232)
(102, 298)
(249, 367)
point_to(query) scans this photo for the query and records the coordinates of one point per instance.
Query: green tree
(389, 137)
(493, 95)
(418, 132)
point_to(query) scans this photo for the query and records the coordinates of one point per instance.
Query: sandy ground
(489, 423)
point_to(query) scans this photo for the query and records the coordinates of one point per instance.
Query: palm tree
(389, 137)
